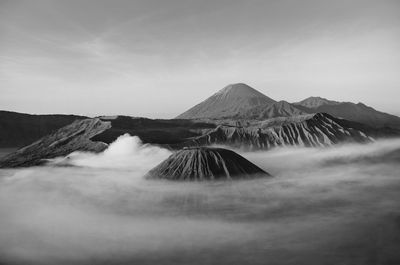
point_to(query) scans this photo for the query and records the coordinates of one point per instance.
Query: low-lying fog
(339, 205)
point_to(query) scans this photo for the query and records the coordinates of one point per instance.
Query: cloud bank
(103, 212)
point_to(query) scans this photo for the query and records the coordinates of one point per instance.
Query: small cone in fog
(204, 163)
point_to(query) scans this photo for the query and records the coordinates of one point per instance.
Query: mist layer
(323, 206)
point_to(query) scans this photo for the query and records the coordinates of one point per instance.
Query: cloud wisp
(126, 152)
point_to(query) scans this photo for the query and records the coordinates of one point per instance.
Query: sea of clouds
(337, 205)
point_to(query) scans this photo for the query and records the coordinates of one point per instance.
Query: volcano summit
(231, 101)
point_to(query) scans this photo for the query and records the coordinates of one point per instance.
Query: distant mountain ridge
(242, 102)
(350, 111)
(315, 102)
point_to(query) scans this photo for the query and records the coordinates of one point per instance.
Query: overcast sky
(158, 58)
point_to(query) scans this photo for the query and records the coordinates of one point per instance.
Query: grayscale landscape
(199, 132)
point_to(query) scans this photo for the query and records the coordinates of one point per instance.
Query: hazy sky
(158, 58)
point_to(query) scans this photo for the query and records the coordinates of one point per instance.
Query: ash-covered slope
(350, 111)
(230, 102)
(201, 163)
(306, 130)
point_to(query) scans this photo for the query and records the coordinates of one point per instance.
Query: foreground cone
(203, 163)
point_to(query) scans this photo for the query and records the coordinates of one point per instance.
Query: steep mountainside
(95, 134)
(277, 109)
(19, 129)
(230, 102)
(73, 137)
(350, 111)
(202, 163)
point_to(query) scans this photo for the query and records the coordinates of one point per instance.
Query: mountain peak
(229, 102)
(239, 89)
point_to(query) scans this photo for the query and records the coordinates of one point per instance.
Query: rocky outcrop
(202, 163)
(73, 137)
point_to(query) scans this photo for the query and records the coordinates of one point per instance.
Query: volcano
(204, 163)
(232, 101)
